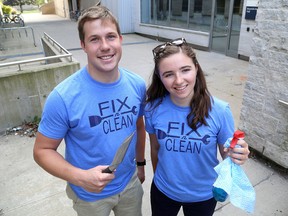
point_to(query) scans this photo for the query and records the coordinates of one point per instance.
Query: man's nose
(104, 44)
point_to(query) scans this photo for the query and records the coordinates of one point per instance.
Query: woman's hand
(239, 155)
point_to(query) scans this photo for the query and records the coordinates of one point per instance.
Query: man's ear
(82, 43)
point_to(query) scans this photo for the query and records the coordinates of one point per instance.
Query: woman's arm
(154, 147)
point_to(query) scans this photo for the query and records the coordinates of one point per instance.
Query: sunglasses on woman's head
(160, 48)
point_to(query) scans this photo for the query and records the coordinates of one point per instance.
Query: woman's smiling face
(178, 74)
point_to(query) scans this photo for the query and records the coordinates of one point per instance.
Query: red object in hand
(236, 136)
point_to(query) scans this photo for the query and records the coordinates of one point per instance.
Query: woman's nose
(178, 78)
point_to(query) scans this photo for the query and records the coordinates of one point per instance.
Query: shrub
(7, 9)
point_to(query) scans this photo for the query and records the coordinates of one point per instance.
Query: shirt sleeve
(143, 94)
(54, 122)
(227, 125)
(148, 120)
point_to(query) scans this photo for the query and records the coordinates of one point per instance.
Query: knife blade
(119, 156)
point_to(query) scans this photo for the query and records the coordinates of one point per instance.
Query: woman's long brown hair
(201, 102)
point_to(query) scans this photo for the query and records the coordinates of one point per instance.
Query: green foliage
(7, 9)
(19, 2)
(39, 2)
(36, 119)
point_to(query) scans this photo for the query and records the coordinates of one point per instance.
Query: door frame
(228, 28)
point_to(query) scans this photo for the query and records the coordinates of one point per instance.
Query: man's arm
(46, 155)
(140, 147)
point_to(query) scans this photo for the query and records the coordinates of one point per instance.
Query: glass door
(226, 26)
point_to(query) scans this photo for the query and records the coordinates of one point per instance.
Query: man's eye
(94, 39)
(111, 37)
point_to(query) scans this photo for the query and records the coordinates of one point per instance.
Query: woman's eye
(167, 75)
(186, 69)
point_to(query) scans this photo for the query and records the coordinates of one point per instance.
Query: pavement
(26, 189)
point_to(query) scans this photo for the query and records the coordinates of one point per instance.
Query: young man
(94, 110)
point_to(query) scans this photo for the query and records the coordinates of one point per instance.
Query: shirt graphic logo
(114, 115)
(188, 141)
(205, 139)
(96, 120)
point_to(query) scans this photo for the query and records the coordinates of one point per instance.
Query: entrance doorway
(226, 26)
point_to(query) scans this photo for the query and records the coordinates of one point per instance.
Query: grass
(31, 11)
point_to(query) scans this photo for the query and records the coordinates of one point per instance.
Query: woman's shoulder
(156, 105)
(219, 106)
(218, 103)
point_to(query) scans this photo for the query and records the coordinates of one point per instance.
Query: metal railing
(54, 44)
(13, 30)
(283, 102)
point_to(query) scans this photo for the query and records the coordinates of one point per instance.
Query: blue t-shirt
(186, 158)
(94, 119)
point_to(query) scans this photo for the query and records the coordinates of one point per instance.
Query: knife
(119, 156)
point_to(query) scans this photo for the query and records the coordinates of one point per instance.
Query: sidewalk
(26, 189)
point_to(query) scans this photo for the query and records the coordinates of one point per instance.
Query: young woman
(186, 125)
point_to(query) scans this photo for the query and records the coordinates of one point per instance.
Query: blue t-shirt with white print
(186, 158)
(94, 119)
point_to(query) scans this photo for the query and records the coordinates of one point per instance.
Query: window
(185, 14)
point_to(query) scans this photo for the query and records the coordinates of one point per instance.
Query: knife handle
(107, 170)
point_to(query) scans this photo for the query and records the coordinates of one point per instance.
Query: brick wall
(264, 116)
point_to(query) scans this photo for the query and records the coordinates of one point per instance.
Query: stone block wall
(264, 114)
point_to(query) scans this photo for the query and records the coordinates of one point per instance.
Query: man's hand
(93, 180)
(141, 173)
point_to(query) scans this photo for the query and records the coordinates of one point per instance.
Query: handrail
(49, 38)
(19, 28)
(35, 60)
(19, 63)
(283, 102)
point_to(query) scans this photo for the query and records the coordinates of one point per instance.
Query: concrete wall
(263, 117)
(62, 8)
(88, 3)
(23, 93)
(48, 8)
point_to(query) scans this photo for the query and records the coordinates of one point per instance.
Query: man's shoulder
(70, 81)
(131, 75)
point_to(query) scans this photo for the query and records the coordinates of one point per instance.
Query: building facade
(224, 26)
(264, 112)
